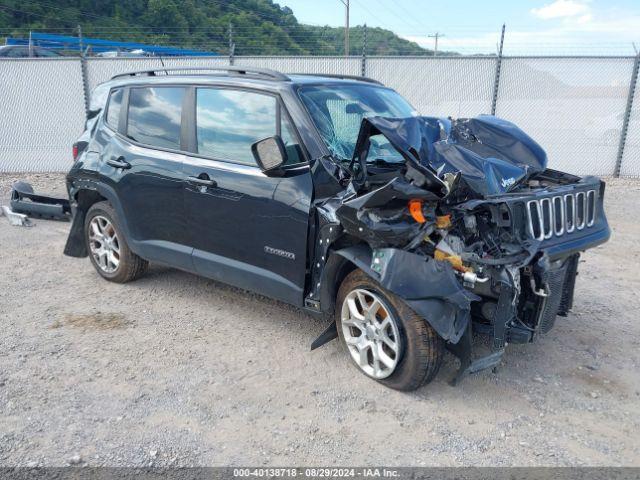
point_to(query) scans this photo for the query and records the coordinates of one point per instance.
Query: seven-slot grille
(561, 214)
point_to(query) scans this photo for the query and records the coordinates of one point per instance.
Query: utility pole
(435, 36)
(346, 27)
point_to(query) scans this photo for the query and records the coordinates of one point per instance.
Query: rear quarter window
(114, 108)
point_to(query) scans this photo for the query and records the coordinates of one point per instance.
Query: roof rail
(259, 72)
(345, 77)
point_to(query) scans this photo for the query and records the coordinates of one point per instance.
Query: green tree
(260, 27)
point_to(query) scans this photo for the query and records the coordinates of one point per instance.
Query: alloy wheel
(370, 333)
(104, 244)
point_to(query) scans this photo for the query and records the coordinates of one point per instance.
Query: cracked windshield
(338, 112)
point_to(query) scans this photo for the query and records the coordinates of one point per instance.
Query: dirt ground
(179, 370)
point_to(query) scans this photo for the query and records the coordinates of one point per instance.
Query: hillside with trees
(258, 27)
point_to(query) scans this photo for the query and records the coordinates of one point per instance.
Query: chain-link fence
(630, 165)
(439, 86)
(573, 107)
(41, 114)
(577, 108)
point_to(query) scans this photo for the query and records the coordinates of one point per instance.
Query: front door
(247, 229)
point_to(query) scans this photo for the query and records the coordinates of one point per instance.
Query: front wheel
(384, 338)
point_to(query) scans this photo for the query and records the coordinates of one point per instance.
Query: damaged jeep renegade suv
(332, 194)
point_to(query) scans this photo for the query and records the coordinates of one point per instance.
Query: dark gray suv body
(331, 194)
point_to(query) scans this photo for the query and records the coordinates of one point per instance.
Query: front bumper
(579, 244)
(523, 299)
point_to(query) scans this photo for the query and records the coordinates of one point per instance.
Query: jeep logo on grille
(507, 182)
(280, 253)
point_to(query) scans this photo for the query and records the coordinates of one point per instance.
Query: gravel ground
(179, 370)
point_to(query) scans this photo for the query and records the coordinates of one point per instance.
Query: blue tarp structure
(64, 42)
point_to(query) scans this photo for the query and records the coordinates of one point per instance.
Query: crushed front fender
(428, 286)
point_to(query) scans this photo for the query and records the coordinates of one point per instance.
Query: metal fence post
(364, 51)
(496, 81)
(627, 115)
(232, 46)
(84, 73)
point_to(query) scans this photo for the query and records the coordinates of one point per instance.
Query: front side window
(338, 110)
(154, 116)
(228, 122)
(114, 107)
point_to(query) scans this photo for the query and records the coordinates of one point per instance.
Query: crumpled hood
(491, 155)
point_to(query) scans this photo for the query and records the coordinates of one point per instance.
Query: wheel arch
(83, 195)
(448, 313)
(339, 264)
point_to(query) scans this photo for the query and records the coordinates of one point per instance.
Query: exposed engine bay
(472, 230)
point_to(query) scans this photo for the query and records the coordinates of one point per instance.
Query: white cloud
(578, 29)
(562, 9)
(584, 19)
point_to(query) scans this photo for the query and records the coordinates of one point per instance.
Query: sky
(580, 27)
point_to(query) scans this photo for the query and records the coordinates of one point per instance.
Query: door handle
(118, 162)
(203, 180)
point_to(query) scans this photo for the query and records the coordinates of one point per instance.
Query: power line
(322, 41)
(382, 22)
(409, 14)
(346, 27)
(393, 12)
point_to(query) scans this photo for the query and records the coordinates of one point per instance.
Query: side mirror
(270, 153)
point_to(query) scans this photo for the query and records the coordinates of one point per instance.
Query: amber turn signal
(415, 209)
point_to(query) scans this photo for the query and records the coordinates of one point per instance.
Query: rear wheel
(107, 247)
(384, 338)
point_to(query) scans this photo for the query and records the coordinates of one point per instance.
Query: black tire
(421, 348)
(130, 266)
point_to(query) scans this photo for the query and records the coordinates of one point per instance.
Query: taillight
(75, 151)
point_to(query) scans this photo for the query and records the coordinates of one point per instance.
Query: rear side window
(114, 107)
(230, 121)
(154, 116)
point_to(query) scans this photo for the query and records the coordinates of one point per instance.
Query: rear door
(247, 229)
(145, 162)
